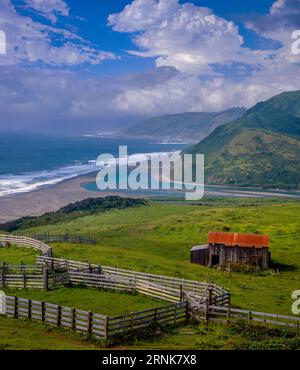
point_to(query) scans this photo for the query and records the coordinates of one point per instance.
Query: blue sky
(92, 65)
(94, 27)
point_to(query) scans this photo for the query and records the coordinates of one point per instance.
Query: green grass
(16, 255)
(157, 238)
(111, 303)
(21, 334)
(221, 337)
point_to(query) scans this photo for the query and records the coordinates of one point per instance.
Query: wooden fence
(157, 286)
(90, 323)
(77, 320)
(20, 268)
(25, 242)
(63, 238)
(31, 277)
(229, 314)
(203, 301)
(166, 315)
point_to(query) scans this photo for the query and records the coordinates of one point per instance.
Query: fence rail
(203, 301)
(158, 286)
(171, 314)
(229, 314)
(71, 318)
(63, 238)
(42, 279)
(26, 242)
(90, 323)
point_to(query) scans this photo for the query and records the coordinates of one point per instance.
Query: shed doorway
(215, 259)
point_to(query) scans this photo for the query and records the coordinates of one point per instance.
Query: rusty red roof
(242, 240)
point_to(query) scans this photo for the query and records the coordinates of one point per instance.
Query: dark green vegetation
(21, 334)
(260, 149)
(72, 211)
(184, 126)
(157, 238)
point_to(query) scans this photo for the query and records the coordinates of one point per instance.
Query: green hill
(184, 126)
(260, 149)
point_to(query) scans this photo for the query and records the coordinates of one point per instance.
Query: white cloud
(185, 41)
(32, 41)
(282, 19)
(192, 39)
(187, 37)
(184, 93)
(49, 8)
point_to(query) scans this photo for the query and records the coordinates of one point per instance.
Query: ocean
(30, 162)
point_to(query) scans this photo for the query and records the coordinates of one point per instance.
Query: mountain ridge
(188, 126)
(260, 149)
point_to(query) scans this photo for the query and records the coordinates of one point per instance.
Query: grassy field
(111, 303)
(157, 238)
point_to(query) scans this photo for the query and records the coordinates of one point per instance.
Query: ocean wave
(27, 182)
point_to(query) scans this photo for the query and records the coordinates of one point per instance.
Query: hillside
(157, 238)
(260, 149)
(185, 126)
(86, 207)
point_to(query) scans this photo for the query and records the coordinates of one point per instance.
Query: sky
(101, 65)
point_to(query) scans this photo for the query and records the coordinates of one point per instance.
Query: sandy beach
(54, 197)
(47, 199)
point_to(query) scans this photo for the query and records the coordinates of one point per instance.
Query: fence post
(132, 321)
(46, 277)
(175, 314)
(187, 314)
(58, 316)
(229, 298)
(181, 293)
(15, 307)
(106, 327)
(155, 315)
(210, 296)
(24, 280)
(228, 314)
(3, 278)
(29, 309)
(249, 316)
(43, 309)
(73, 317)
(90, 322)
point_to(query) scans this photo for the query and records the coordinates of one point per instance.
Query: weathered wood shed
(225, 249)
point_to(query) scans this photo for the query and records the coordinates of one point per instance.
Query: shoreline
(47, 199)
(53, 197)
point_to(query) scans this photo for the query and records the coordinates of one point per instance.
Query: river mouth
(210, 191)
